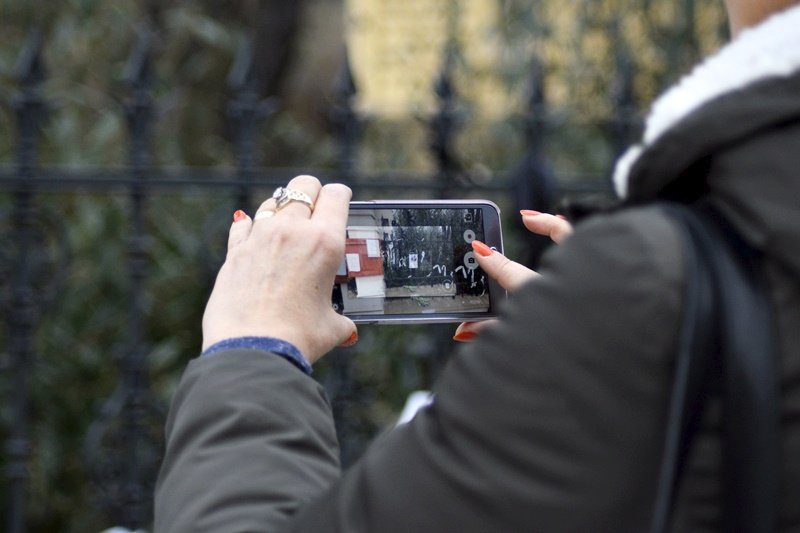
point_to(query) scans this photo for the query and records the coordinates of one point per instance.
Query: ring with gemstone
(285, 195)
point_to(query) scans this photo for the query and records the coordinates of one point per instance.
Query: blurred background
(131, 130)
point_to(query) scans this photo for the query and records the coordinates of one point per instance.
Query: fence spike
(623, 92)
(30, 67)
(444, 86)
(346, 119)
(242, 75)
(29, 105)
(535, 114)
(344, 86)
(138, 69)
(445, 123)
(138, 76)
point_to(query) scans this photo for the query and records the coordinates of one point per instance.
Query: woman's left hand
(507, 273)
(279, 272)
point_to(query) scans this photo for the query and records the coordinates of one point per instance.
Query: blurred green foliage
(82, 331)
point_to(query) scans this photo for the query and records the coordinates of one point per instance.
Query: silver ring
(266, 213)
(284, 195)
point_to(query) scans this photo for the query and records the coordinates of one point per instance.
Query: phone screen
(412, 261)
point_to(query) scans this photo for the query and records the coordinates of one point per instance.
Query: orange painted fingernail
(464, 326)
(482, 249)
(239, 215)
(529, 213)
(464, 336)
(351, 340)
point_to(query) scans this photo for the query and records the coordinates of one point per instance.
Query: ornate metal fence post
(624, 123)
(134, 372)
(341, 385)
(123, 446)
(30, 109)
(246, 113)
(535, 187)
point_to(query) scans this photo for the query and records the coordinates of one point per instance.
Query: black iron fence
(122, 446)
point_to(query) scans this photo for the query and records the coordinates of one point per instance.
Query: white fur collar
(771, 49)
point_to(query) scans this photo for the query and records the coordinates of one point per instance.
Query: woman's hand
(509, 274)
(279, 272)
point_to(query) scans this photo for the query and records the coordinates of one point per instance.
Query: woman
(553, 419)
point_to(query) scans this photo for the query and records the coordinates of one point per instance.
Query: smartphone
(411, 261)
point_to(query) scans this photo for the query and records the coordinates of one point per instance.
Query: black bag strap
(727, 335)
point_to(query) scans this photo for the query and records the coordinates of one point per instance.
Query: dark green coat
(553, 419)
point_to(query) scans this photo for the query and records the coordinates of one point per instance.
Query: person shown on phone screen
(553, 419)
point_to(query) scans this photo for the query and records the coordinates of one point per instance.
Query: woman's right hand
(277, 277)
(507, 273)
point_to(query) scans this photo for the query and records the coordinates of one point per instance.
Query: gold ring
(284, 195)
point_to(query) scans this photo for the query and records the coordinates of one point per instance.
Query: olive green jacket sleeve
(250, 439)
(550, 421)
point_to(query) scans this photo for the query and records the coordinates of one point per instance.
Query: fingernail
(529, 213)
(239, 215)
(481, 248)
(464, 327)
(562, 217)
(464, 336)
(350, 341)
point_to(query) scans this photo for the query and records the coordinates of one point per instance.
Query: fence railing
(123, 444)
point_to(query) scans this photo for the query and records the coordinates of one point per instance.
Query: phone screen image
(410, 261)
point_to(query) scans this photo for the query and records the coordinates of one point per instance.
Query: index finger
(509, 274)
(333, 206)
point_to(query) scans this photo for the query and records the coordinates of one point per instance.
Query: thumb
(336, 330)
(349, 331)
(554, 226)
(509, 274)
